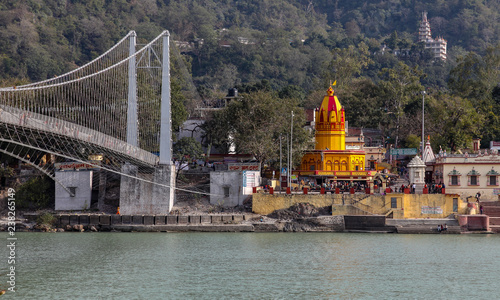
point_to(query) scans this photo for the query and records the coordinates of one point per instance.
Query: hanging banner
(404, 151)
(73, 166)
(243, 166)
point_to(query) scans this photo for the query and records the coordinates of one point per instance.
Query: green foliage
(413, 141)
(6, 171)
(255, 123)
(185, 150)
(455, 122)
(263, 51)
(400, 86)
(36, 193)
(46, 219)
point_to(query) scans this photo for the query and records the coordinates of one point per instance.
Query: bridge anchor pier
(141, 197)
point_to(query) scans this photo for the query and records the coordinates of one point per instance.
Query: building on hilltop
(438, 45)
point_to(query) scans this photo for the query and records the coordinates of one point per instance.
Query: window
(473, 177)
(455, 204)
(492, 177)
(455, 177)
(226, 192)
(394, 202)
(72, 191)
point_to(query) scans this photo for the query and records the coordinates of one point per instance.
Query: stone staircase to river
(492, 210)
(398, 182)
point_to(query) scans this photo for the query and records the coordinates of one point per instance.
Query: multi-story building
(437, 45)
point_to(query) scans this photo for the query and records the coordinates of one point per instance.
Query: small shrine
(416, 168)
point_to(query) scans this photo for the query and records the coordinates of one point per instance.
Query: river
(253, 266)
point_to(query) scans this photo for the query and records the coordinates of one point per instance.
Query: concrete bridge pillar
(102, 190)
(163, 197)
(138, 197)
(129, 190)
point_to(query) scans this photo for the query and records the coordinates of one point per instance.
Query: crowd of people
(434, 188)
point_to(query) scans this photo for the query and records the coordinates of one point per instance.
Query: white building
(231, 188)
(438, 45)
(77, 180)
(467, 174)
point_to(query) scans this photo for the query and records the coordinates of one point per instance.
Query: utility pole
(280, 165)
(290, 167)
(423, 118)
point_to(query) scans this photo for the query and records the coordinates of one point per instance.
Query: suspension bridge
(116, 107)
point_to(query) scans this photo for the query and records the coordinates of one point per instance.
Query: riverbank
(233, 223)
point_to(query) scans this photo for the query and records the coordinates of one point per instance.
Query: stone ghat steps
(490, 203)
(428, 229)
(495, 228)
(494, 221)
(492, 211)
(381, 229)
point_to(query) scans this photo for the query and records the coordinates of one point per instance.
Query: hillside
(295, 47)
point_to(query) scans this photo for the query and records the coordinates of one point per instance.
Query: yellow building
(330, 159)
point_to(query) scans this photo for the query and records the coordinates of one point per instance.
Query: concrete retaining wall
(106, 220)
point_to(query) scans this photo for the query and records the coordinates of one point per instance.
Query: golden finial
(330, 89)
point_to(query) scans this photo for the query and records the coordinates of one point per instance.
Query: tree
(400, 86)
(254, 124)
(217, 131)
(348, 63)
(362, 103)
(455, 122)
(412, 141)
(185, 150)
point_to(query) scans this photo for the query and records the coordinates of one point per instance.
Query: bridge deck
(39, 122)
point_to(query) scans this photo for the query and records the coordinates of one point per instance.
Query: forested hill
(292, 47)
(39, 39)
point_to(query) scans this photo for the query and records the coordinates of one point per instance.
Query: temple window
(492, 177)
(454, 177)
(473, 177)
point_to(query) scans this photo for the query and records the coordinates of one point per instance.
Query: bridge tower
(138, 196)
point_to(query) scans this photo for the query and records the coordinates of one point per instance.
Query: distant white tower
(438, 45)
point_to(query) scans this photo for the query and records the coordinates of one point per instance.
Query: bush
(36, 193)
(46, 219)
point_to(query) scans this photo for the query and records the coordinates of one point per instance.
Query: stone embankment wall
(265, 204)
(397, 205)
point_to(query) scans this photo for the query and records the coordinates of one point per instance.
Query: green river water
(252, 266)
